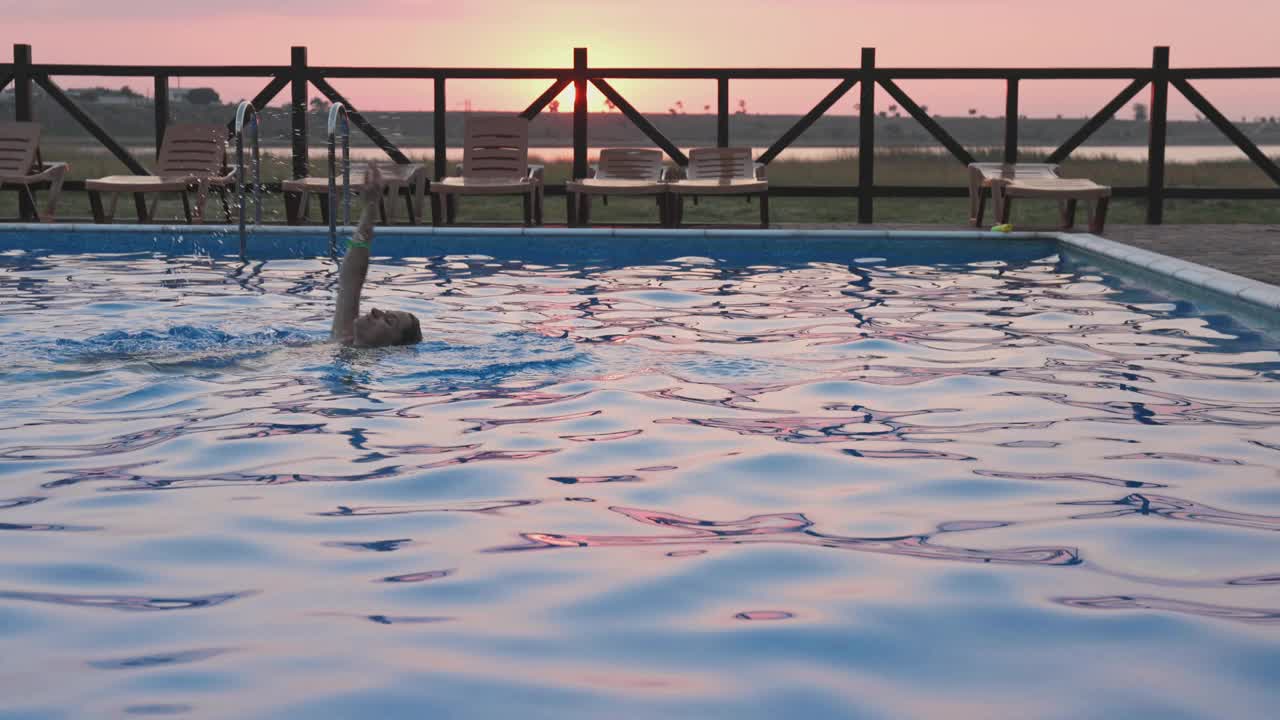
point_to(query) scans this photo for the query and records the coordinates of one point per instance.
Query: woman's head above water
(379, 328)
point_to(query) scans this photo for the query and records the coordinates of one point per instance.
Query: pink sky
(747, 33)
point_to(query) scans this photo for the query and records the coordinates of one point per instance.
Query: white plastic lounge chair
(981, 175)
(395, 177)
(495, 161)
(621, 171)
(192, 159)
(1067, 191)
(721, 171)
(20, 165)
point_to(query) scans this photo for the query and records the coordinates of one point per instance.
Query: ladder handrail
(338, 116)
(247, 113)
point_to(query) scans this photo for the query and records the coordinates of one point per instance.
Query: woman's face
(378, 328)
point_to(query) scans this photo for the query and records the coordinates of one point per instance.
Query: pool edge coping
(1253, 292)
(1203, 277)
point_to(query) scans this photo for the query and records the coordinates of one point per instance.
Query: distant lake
(1174, 153)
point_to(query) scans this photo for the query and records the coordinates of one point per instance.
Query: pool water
(849, 480)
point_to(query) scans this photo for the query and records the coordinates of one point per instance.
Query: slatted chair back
(193, 150)
(630, 164)
(18, 143)
(496, 148)
(721, 164)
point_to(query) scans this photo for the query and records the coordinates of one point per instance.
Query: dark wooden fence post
(298, 84)
(722, 112)
(22, 110)
(579, 112)
(440, 129)
(867, 137)
(161, 101)
(1011, 121)
(1157, 134)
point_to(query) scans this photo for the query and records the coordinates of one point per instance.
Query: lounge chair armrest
(593, 171)
(760, 171)
(457, 169)
(537, 172)
(50, 172)
(677, 172)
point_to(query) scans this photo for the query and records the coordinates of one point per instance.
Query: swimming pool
(629, 475)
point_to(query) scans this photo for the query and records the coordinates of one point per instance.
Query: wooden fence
(24, 73)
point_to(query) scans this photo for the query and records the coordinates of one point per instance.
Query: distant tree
(554, 106)
(924, 109)
(894, 110)
(319, 104)
(680, 106)
(742, 107)
(128, 92)
(706, 108)
(1140, 112)
(203, 96)
(609, 105)
(973, 111)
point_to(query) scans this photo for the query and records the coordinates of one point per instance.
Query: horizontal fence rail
(298, 76)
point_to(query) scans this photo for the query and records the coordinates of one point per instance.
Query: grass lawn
(892, 168)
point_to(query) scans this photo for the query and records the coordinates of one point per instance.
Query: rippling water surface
(1000, 485)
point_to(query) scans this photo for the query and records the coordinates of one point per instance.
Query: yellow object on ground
(1005, 228)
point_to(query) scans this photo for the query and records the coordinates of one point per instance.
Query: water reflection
(895, 470)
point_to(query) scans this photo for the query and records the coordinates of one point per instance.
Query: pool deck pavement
(1251, 251)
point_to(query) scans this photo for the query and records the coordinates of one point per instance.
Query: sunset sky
(704, 33)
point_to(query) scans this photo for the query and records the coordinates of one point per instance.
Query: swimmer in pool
(376, 328)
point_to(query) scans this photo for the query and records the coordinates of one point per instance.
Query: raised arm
(355, 264)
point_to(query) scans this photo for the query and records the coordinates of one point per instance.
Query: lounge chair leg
(95, 206)
(537, 206)
(293, 208)
(26, 207)
(55, 189)
(226, 206)
(526, 203)
(202, 199)
(662, 211)
(382, 209)
(980, 208)
(437, 213)
(186, 206)
(1098, 219)
(764, 210)
(410, 209)
(323, 200)
(1068, 208)
(677, 210)
(31, 201)
(420, 193)
(571, 209)
(450, 209)
(584, 207)
(140, 204)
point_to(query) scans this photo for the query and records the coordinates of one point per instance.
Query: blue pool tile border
(1251, 292)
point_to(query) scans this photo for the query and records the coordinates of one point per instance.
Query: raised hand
(372, 187)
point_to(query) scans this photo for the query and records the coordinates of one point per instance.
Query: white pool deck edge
(1252, 292)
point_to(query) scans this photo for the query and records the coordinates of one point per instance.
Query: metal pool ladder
(245, 112)
(338, 120)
